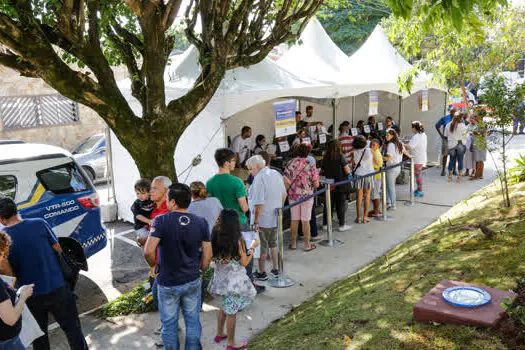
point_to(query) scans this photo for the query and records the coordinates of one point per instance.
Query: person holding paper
(231, 192)
(300, 138)
(314, 127)
(33, 261)
(10, 310)
(266, 194)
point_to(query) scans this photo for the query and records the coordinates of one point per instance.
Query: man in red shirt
(159, 188)
(346, 141)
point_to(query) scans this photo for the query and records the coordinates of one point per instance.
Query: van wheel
(89, 173)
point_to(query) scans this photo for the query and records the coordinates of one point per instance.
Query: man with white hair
(266, 194)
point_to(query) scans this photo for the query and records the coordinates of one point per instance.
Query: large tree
(46, 38)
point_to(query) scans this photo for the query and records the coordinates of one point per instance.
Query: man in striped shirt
(346, 141)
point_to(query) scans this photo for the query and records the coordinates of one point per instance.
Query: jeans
(155, 292)
(171, 300)
(249, 268)
(62, 305)
(12, 344)
(391, 176)
(338, 200)
(456, 154)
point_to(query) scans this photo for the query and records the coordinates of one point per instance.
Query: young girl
(418, 148)
(230, 280)
(363, 165)
(456, 133)
(394, 155)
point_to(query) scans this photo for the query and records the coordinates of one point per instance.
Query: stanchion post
(412, 202)
(385, 217)
(282, 281)
(329, 241)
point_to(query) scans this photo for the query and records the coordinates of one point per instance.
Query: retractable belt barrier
(282, 281)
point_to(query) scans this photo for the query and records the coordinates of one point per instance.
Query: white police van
(46, 182)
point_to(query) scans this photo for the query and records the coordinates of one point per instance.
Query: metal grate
(23, 112)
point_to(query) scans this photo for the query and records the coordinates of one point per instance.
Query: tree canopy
(494, 42)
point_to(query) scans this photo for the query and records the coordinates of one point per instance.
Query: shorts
(376, 192)
(444, 147)
(142, 232)
(268, 237)
(303, 211)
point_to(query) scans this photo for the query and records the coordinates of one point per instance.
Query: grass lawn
(372, 308)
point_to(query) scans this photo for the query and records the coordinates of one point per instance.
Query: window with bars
(23, 112)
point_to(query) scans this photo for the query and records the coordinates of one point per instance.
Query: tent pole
(400, 109)
(334, 118)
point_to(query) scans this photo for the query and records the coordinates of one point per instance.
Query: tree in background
(504, 103)
(350, 23)
(489, 43)
(46, 38)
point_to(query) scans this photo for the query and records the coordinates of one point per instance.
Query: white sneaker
(344, 228)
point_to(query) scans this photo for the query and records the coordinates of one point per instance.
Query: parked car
(46, 182)
(90, 154)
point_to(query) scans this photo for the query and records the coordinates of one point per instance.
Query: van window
(8, 186)
(65, 178)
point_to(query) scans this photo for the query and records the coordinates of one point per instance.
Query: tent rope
(198, 158)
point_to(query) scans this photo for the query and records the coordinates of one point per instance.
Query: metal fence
(24, 112)
(283, 281)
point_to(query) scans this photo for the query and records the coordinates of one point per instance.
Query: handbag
(69, 271)
(353, 184)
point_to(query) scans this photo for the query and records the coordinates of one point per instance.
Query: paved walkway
(313, 271)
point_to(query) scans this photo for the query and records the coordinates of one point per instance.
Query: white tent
(241, 88)
(315, 55)
(377, 66)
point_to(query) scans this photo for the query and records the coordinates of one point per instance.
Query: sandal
(357, 221)
(366, 220)
(219, 338)
(292, 248)
(244, 345)
(312, 247)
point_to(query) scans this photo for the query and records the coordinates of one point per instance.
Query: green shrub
(517, 174)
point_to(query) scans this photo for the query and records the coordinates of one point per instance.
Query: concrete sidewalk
(313, 271)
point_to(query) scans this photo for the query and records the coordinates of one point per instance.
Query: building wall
(65, 136)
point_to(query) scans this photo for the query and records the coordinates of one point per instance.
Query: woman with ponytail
(418, 149)
(394, 155)
(201, 205)
(456, 133)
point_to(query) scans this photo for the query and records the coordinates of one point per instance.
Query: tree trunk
(504, 182)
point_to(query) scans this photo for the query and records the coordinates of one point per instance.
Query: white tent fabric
(315, 56)
(241, 88)
(377, 66)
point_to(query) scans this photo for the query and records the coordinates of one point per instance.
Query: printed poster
(284, 113)
(373, 103)
(424, 100)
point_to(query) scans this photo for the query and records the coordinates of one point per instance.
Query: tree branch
(16, 63)
(170, 13)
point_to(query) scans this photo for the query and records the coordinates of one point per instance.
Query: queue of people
(463, 144)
